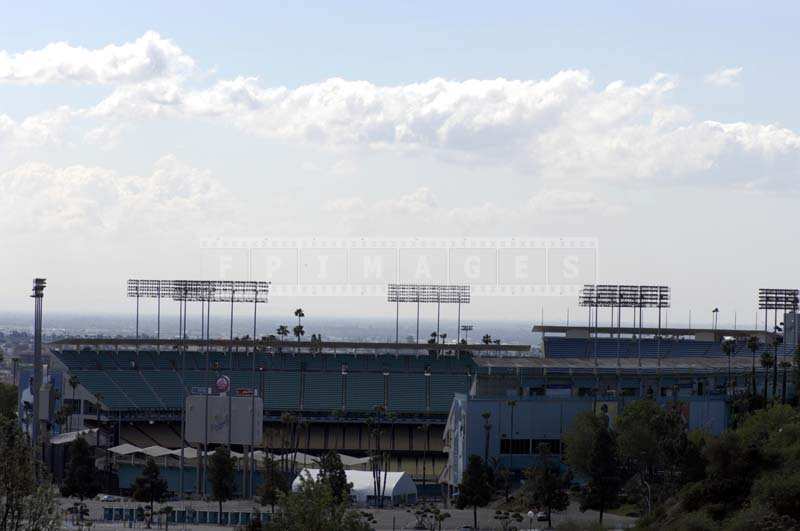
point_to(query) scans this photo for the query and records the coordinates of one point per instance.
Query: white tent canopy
(400, 488)
(66, 438)
(124, 449)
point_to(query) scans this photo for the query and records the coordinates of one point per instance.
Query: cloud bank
(85, 201)
(148, 57)
(565, 129)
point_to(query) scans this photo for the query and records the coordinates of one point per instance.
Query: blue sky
(667, 130)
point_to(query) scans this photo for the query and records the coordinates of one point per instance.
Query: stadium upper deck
(315, 378)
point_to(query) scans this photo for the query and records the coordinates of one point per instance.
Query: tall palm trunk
(775, 373)
(783, 386)
(766, 383)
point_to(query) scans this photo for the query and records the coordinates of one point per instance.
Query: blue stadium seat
(322, 391)
(135, 387)
(407, 392)
(282, 390)
(364, 390)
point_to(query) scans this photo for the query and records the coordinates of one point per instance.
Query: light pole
(38, 294)
(467, 328)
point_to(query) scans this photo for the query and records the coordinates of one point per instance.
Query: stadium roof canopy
(585, 364)
(330, 347)
(651, 331)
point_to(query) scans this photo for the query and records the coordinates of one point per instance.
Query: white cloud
(148, 57)
(562, 128)
(87, 200)
(45, 128)
(724, 77)
(558, 201)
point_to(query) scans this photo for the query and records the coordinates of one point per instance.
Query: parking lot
(386, 519)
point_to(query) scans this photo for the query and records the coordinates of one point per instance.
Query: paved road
(386, 519)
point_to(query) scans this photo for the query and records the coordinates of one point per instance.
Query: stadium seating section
(127, 380)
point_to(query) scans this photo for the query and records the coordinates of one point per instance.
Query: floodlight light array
(427, 293)
(624, 296)
(778, 299)
(200, 290)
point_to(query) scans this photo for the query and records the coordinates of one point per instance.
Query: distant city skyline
(668, 133)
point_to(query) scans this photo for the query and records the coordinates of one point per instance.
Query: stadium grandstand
(332, 389)
(422, 403)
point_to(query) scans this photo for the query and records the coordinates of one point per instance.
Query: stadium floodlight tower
(229, 291)
(151, 289)
(37, 295)
(777, 299)
(428, 293)
(621, 296)
(594, 297)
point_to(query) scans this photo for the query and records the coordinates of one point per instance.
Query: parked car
(541, 516)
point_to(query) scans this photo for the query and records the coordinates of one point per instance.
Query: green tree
(150, 487)
(331, 470)
(42, 511)
(653, 447)
(312, 507)
(545, 486)
(16, 477)
(221, 471)
(274, 483)
(592, 452)
(8, 401)
(81, 475)
(475, 489)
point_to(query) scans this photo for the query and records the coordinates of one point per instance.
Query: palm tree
(298, 332)
(425, 429)
(776, 342)
(99, 398)
(487, 339)
(282, 331)
(766, 362)
(337, 416)
(488, 429)
(299, 314)
(785, 366)
(513, 405)
(728, 348)
(73, 383)
(443, 336)
(752, 346)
